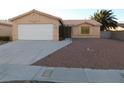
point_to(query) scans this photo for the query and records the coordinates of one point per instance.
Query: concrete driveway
(28, 52)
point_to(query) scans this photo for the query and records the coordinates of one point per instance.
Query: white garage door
(35, 32)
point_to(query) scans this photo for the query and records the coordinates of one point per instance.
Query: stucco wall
(117, 35)
(106, 34)
(94, 31)
(5, 30)
(34, 18)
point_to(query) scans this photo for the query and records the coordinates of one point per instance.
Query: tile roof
(5, 22)
(118, 28)
(121, 24)
(35, 11)
(78, 22)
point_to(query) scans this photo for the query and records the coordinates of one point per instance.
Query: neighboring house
(5, 28)
(121, 24)
(118, 28)
(36, 25)
(84, 28)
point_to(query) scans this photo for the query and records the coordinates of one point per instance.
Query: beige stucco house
(84, 28)
(5, 28)
(36, 25)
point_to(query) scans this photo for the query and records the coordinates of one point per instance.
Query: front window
(85, 30)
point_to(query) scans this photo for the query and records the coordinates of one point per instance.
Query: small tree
(106, 18)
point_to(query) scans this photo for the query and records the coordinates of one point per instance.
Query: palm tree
(106, 18)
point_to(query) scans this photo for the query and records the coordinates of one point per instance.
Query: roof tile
(78, 22)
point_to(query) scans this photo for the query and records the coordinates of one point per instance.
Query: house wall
(5, 30)
(105, 34)
(94, 31)
(119, 35)
(34, 18)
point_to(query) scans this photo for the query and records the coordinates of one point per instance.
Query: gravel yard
(88, 53)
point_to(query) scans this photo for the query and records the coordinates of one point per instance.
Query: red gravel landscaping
(88, 53)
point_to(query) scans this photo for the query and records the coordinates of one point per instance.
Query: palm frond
(106, 18)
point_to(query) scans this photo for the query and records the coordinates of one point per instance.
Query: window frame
(86, 28)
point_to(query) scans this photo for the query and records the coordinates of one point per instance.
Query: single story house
(36, 25)
(84, 28)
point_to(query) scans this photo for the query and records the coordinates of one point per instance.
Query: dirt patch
(88, 53)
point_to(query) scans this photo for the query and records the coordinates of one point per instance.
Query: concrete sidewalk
(13, 72)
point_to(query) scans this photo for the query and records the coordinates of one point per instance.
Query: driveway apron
(28, 52)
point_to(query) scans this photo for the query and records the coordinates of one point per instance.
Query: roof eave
(34, 11)
(7, 24)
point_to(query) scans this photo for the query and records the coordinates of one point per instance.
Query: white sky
(11, 8)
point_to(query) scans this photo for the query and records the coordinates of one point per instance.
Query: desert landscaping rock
(88, 53)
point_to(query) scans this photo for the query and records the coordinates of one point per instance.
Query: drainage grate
(47, 73)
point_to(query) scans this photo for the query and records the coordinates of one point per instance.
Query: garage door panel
(35, 32)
